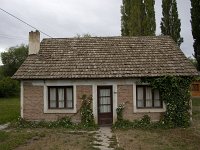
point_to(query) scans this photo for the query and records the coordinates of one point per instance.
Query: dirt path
(103, 139)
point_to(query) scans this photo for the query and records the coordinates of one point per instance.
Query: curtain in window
(105, 100)
(105, 109)
(61, 98)
(140, 95)
(104, 92)
(157, 102)
(148, 97)
(69, 97)
(52, 97)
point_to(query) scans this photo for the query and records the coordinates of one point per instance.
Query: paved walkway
(103, 138)
(4, 126)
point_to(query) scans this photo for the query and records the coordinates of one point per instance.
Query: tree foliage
(193, 61)
(13, 58)
(171, 24)
(1, 72)
(195, 15)
(9, 87)
(138, 18)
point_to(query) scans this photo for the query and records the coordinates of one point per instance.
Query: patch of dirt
(57, 141)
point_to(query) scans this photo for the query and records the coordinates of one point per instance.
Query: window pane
(140, 99)
(69, 104)
(140, 93)
(69, 93)
(52, 104)
(104, 100)
(61, 98)
(140, 103)
(52, 97)
(149, 103)
(104, 92)
(105, 108)
(148, 97)
(156, 94)
(157, 103)
(61, 94)
(52, 94)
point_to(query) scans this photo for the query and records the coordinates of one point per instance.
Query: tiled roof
(106, 57)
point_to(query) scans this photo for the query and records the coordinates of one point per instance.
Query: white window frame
(145, 110)
(58, 111)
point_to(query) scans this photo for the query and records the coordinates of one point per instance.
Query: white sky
(66, 18)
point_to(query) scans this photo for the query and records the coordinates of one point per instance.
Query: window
(105, 100)
(148, 98)
(195, 87)
(60, 97)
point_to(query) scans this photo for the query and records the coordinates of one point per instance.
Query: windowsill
(149, 110)
(60, 111)
(61, 108)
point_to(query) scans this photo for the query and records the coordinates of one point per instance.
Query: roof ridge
(110, 37)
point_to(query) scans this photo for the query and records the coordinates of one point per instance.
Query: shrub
(64, 122)
(145, 122)
(9, 87)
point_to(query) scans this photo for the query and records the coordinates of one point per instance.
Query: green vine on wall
(119, 111)
(87, 117)
(175, 92)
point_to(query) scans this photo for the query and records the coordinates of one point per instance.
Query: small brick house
(58, 71)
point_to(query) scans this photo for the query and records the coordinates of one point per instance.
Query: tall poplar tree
(138, 17)
(150, 21)
(171, 24)
(195, 15)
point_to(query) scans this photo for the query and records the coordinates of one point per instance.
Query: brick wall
(125, 94)
(33, 107)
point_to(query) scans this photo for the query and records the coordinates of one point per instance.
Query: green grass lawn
(9, 109)
(48, 139)
(10, 140)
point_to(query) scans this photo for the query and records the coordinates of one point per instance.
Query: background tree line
(12, 60)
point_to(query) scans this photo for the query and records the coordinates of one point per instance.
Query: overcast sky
(67, 18)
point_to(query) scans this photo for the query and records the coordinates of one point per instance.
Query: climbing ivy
(87, 117)
(175, 92)
(120, 110)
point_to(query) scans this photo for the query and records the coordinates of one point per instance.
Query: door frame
(98, 104)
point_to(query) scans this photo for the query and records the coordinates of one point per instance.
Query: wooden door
(105, 105)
